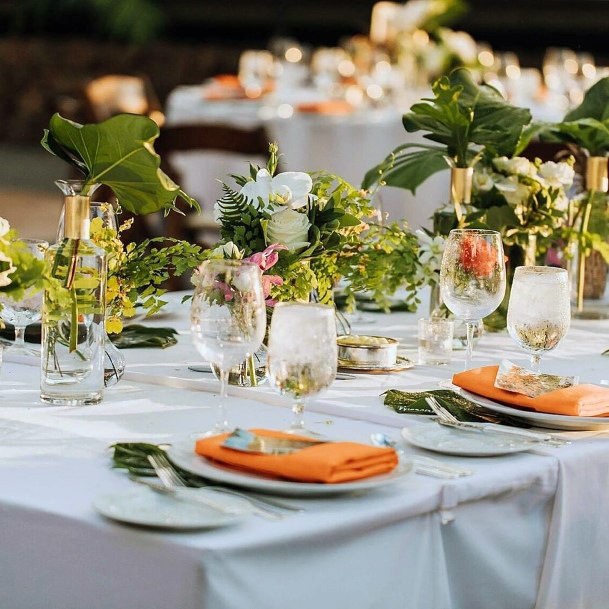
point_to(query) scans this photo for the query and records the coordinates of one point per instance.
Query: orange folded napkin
(331, 106)
(578, 400)
(329, 462)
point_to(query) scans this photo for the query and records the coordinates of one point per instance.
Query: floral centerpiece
(308, 231)
(526, 201)
(585, 130)
(465, 122)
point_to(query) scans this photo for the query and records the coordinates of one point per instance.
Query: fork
(171, 479)
(445, 417)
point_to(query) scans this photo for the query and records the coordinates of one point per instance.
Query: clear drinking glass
(472, 277)
(539, 311)
(435, 341)
(22, 313)
(228, 320)
(302, 353)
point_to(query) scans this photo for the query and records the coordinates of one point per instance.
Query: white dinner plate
(184, 456)
(144, 507)
(463, 443)
(541, 419)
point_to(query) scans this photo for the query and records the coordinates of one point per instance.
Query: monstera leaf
(119, 153)
(586, 126)
(464, 120)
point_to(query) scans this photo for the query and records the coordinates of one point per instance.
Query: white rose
(517, 165)
(483, 181)
(557, 175)
(289, 228)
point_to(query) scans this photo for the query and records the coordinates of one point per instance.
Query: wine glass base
(303, 431)
(14, 349)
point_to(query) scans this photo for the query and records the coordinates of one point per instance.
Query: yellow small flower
(114, 325)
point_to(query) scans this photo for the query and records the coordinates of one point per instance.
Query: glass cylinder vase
(587, 268)
(114, 360)
(73, 311)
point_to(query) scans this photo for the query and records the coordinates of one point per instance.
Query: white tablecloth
(525, 531)
(345, 145)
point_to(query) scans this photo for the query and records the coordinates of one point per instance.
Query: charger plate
(183, 455)
(541, 419)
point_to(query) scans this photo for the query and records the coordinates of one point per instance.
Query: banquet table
(347, 145)
(526, 530)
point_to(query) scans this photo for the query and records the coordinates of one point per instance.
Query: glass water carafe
(72, 361)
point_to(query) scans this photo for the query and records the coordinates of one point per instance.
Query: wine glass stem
(298, 419)
(535, 362)
(221, 419)
(469, 325)
(20, 336)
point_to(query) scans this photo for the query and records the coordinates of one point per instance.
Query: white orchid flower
(228, 251)
(4, 227)
(290, 189)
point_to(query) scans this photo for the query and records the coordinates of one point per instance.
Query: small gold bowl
(367, 351)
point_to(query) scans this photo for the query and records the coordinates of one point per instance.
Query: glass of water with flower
(472, 277)
(28, 310)
(227, 320)
(539, 310)
(302, 354)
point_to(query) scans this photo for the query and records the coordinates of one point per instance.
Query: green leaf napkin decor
(136, 336)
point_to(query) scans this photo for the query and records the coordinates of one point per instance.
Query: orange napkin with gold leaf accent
(578, 400)
(329, 462)
(329, 106)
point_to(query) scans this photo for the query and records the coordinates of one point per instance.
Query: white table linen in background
(384, 549)
(346, 145)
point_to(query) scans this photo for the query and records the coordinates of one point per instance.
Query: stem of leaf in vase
(581, 262)
(251, 371)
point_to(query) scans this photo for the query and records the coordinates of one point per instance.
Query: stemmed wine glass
(472, 277)
(302, 353)
(539, 311)
(22, 313)
(228, 320)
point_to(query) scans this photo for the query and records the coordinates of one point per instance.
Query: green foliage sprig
(586, 126)
(136, 272)
(464, 120)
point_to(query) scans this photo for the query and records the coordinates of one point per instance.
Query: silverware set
(173, 484)
(445, 417)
